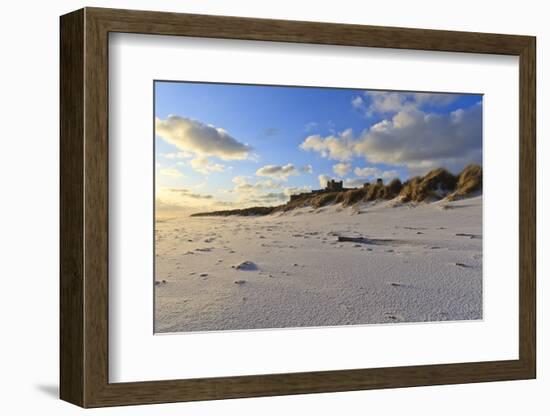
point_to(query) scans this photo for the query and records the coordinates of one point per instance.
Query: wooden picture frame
(84, 207)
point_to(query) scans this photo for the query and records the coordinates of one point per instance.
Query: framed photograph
(255, 207)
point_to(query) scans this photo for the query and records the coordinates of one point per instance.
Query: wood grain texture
(84, 207)
(71, 213)
(528, 207)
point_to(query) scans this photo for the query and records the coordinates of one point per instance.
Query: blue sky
(229, 145)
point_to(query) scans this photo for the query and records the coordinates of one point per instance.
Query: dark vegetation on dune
(469, 181)
(435, 185)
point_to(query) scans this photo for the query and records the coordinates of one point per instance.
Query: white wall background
(29, 206)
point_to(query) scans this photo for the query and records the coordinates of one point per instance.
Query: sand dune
(376, 262)
(437, 184)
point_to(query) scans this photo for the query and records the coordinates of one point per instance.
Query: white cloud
(178, 155)
(186, 193)
(260, 192)
(375, 173)
(389, 174)
(387, 102)
(357, 102)
(243, 185)
(268, 184)
(270, 198)
(366, 172)
(410, 138)
(422, 141)
(331, 147)
(279, 172)
(201, 139)
(294, 191)
(354, 183)
(307, 169)
(427, 99)
(205, 166)
(341, 169)
(171, 172)
(323, 180)
(169, 199)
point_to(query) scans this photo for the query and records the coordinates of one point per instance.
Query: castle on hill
(331, 186)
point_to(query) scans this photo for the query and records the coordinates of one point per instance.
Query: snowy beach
(415, 262)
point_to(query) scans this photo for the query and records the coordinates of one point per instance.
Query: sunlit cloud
(411, 138)
(178, 155)
(354, 183)
(296, 190)
(171, 172)
(277, 171)
(323, 180)
(249, 191)
(186, 193)
(421, 141)
(205, 166)
(332, 147)
(341, 169)
(200, 139)
(170, 199)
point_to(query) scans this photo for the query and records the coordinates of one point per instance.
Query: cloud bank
(411, 138)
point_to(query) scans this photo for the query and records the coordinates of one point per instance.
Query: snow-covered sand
(428, 267)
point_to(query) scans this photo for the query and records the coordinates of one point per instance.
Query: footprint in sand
(204, 250)
(392, 317)
(472, 236)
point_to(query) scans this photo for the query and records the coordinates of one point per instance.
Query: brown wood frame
(84, 207)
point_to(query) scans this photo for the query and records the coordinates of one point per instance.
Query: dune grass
(435, 185)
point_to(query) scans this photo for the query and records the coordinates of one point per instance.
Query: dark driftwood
(84, 210)
(362, 240)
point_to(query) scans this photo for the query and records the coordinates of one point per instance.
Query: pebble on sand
(246, 265)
